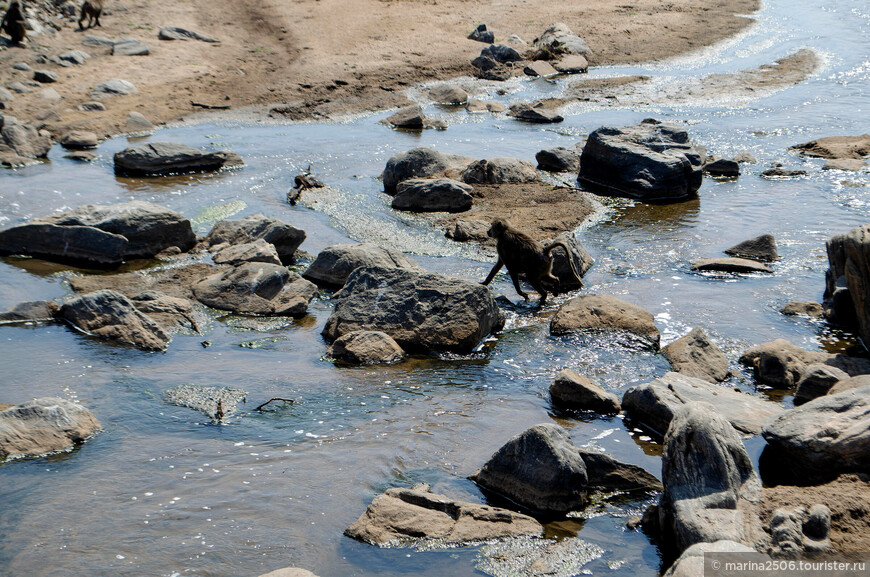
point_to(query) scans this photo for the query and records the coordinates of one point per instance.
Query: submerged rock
(605, 313)
(163, 158)
(539, 469)
(284, 237)
(256, 288)
(110, 315)
(335, 263)
(421, 311)
(648, 162)
(366, 348)
(799, 308)
(655, 403)
(213, 402)
(404, 516)
(710, 487)
(289, 572)
(43, 426)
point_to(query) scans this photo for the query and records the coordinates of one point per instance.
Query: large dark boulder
(285, 237)
(420, 163)
(421, 311)
(42, 426)
(78, 245)
(607, 314)
(710, 487)
(500, 171)
(432, 195)
(162, 158)
(539, 469)
(559, 159)
(573, 391)
(408, 516)
(824, 437)
(648, 162)
(335, 263)
(257, 288)
(654, 404)
(147, 227)
(501, 53)
(110, 315)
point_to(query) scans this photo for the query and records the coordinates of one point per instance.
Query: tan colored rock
(574, 391)
(44, 426)
(366, 347)
(836, 147)
(697, 356)
(605, 313)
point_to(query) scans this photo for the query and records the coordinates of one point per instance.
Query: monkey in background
(91, 9)
(520, 253)
(13, 22)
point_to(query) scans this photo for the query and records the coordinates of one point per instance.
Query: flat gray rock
(130, 47)
(79, 140)
(608, 314)
(730, 265)
(655, 403)
(114, 87)
(691, 562)
(77, 57)
(178, 33)
(162, 158)
(110, 315)
(213, 402)
(540, 68)
(92, 106)
(539, 469)
(335, 263)
(42, 426)
(91, 40)
(411, 516)
(256, 251)
(856, 147)
(6, 96)
(409, 117)
(571, 64)
(534, 114)
(469, 229)
(421, 311)
(558, 159)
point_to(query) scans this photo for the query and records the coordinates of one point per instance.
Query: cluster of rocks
(557, 51)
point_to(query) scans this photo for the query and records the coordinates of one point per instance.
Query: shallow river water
(162, 491)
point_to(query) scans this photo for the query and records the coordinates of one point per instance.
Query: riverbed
(164, 491)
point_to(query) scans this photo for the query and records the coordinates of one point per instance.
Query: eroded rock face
(649, 162)
(605, 313)
(161, 158)
(257, 289)
(284, 237)
(42, 426)
(695, 355)
(540, 469)
(824, 437)
(710, 487)
(404, 516)
(147, 227)
(366, 348)
(654, 404)
(421, 311)
(335, 263)
(420, 163)
(110, 315)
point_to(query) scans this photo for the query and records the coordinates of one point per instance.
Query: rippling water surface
(162, 491)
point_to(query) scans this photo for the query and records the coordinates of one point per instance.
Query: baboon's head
(498, 227)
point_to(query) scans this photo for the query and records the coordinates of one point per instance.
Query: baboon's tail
(559, 244)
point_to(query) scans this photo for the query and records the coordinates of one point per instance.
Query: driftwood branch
(290, 401)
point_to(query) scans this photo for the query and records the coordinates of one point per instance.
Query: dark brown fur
(520, 253)
(13, 22)
(91, 9)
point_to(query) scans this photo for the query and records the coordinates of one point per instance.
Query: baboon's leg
(97, 18)
(494, 271)
(516, 278)
(539, 286)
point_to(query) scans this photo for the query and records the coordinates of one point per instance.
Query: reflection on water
(162, 491)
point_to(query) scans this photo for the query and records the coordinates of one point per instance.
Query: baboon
(91, 9)
(13, 22)
(520, 253)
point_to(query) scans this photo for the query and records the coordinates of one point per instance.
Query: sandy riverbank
(328, 57)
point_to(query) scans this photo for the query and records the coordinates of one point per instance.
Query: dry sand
(323, 58)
